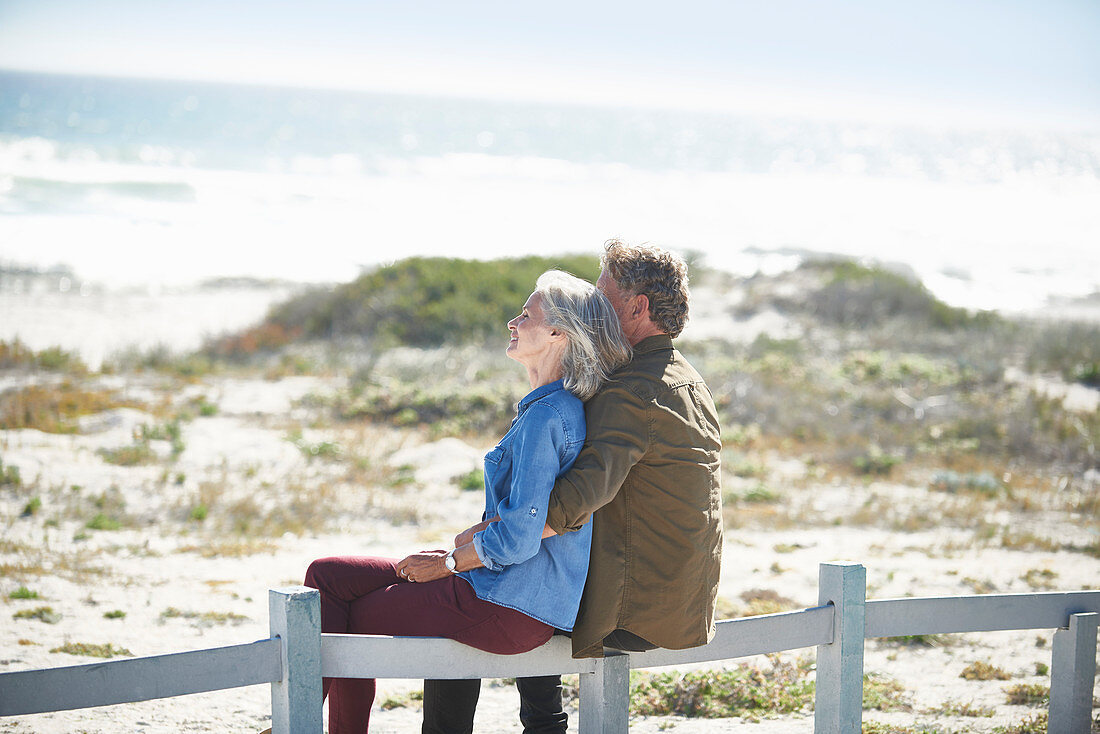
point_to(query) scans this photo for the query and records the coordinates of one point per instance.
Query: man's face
(610, 288)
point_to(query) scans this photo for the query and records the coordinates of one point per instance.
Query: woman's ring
(402, 572)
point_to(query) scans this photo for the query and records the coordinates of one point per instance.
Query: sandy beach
(257, 480)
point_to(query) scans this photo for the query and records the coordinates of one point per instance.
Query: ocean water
(159, 184)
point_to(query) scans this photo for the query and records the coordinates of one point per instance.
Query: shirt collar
(653, 344)
(539, 392)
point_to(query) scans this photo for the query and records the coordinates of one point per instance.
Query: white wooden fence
(296, 656)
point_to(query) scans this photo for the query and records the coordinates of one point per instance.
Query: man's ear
(640, 306)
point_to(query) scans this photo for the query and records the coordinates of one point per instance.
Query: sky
(1030, 61)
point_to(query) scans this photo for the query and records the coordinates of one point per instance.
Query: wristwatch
(449, 562)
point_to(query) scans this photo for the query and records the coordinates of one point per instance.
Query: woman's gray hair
(596, 345)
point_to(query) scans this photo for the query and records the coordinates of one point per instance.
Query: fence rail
(140, 679)
(297, 655)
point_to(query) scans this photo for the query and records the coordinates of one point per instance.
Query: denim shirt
(541, 578)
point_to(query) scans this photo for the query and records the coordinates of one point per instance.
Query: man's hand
(423, 567)
(467, 535)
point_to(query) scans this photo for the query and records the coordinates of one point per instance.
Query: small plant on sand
(1027, 694)
(9, 476)
(884, 694)
(745, 691)
(102, 521)
(981, 670)
(471, 480)
(953, 482)
(1040, 578)
(875, 462)
(408, 699)
(42, 614)
(230, 548)
(137, 453)
(203, 619)
(932, 640)
(54, 359)
(962, 708)
(114, 614)
(766, 601)
(760, 493)
(879, 727)
(34, 504)
(54, 408)
(105, 650)
(23, 593)
(319, 450)
(1031, 724)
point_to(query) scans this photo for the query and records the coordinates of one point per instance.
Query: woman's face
(531, 337)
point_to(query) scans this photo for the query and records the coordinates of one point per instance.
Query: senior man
(648, 479)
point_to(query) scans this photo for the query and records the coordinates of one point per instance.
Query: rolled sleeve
(618, 437)
(536, 462)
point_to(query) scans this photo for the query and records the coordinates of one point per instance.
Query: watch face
(449, 562)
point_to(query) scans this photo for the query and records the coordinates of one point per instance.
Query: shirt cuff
(486, 561)
(557, 520)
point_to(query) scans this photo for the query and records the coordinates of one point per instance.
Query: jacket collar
(539, 392)
(654, 343)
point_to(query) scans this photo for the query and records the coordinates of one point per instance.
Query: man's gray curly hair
(658, 274)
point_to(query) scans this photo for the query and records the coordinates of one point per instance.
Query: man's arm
(617, 438)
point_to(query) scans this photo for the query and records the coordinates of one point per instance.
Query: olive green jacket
(649, 479)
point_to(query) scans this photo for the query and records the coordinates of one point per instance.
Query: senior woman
(504, 588)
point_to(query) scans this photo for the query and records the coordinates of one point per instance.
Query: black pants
(449, 705)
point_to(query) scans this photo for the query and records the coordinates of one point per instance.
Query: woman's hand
(428, 565)
(423, 567)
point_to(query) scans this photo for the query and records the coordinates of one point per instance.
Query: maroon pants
(365, 595)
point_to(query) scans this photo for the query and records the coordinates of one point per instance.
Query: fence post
(605, 695)
(838, 702)
(295, 614)
(1073, 670)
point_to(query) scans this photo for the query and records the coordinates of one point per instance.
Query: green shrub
(883, 694)
(204, 619)
(42, 614)
(1031, 724)
(402, 700)
(981, 670)
(17, 354)
(760, 493)
(1027, 694)
(136, 454)
(23, 593)
(419, 301)
(10, 476)
(102, 521)
(104, 650)
(875, 462)
(34, 504)
(1071, 349)
(471, 480)
(54, 408)
(858, 296)
(743, 691)
(961, 708)
(981, 482)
